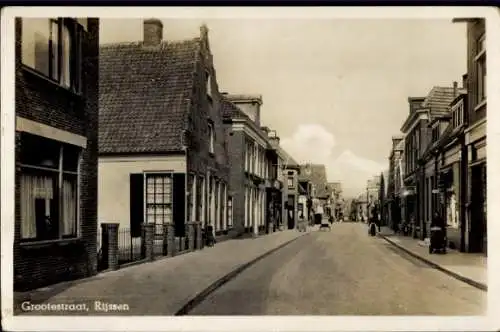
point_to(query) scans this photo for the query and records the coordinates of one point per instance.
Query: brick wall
(474, 31)
(39, 100)
(199, 160)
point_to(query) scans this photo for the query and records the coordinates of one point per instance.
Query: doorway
(478, 233)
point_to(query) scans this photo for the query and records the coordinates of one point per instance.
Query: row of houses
(438, 163)
(134, 134)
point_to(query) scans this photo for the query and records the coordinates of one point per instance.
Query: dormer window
(457, 114)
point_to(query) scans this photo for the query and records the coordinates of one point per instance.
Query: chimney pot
(455, 89)
(153, 32)
(464, 81)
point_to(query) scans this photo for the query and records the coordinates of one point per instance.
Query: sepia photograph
(234, 163)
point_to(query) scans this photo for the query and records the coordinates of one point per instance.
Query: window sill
(480, 105)
(40, 76)
(48, 243)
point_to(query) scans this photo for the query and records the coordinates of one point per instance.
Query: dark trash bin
(438, 240)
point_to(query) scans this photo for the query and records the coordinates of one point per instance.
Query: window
(230, 212)
(480, 60)
(217, 219)
(192, 201)
(202, 200)
(209, 84)
(53, 48)
(210, 201)
(290, 181)
(159, 200)
(49, 189)
(199, 198)
(211, 138)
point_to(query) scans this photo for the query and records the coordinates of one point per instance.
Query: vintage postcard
(224, 169)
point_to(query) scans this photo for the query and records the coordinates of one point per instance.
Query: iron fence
(130, 248)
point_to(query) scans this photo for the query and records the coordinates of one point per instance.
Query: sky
(335, 90)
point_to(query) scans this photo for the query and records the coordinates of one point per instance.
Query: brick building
(417, 179)
(249, 166)
(162, 150)
(315, 175)
(291, 189)
(475, 137)
(56, 105)
(392, 199)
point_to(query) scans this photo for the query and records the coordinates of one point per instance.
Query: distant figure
(318, 213)
(302, 223)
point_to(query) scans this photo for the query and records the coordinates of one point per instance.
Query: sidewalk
(467, 267)
(162, 287)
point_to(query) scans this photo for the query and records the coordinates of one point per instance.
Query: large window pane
(65, 56)
(35, 43)
(69, 205)
(39, 205)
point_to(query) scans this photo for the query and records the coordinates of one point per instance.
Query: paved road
(342, 272)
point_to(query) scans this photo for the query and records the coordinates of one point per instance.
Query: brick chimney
(153, 32)
(464, 81)
(455, 89)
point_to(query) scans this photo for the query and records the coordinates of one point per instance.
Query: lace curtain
(32, 188)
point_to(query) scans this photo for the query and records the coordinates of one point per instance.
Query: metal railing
(129, 246)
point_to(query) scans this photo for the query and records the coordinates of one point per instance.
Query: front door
(291, 212)
(478, 209)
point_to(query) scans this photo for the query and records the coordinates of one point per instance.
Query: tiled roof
(288, 159)
(317, 178)
(144, 95)
(438, 100)
(230, 110)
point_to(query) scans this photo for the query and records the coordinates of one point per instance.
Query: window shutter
(179, 200)
(136, 203)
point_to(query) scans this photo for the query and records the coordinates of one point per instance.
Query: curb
(197, 299)
(449, 272)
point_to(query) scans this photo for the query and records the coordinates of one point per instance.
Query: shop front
(477, 194)
(274, 206)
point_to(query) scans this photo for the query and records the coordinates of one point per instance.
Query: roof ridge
(140, 42)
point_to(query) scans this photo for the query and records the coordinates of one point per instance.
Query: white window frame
(194, 203)
(166, 174)
(230, 212)
(59, 183)
(203, 200)
(245, 222)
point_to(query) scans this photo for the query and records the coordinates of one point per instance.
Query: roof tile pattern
(317, 177)
(144, 95)
(438, 100)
